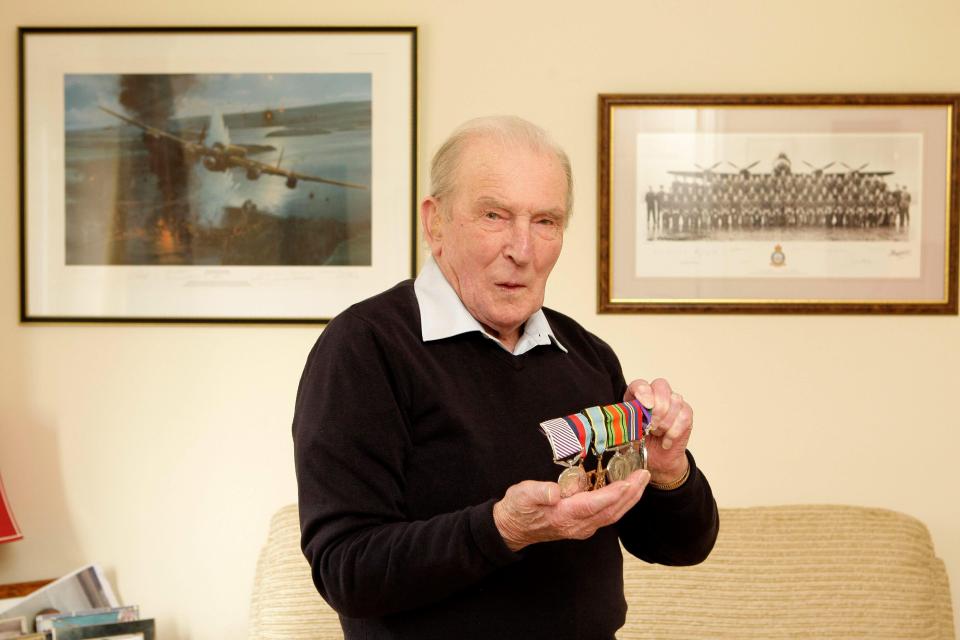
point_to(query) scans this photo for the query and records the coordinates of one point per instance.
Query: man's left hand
(671, 420)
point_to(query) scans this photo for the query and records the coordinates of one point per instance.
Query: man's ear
(432, 223)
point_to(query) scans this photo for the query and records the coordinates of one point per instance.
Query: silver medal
(633, 458)
(618, 468)
(572, 480)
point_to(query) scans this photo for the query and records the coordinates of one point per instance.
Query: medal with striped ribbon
(618, 427)
(567, 442)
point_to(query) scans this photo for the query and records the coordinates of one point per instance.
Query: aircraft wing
(153, 131)
(703, 174)
(287, 173)
(862, 173)
(242, 162)
(687, 174)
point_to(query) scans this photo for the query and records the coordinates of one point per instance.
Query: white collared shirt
(442, 314)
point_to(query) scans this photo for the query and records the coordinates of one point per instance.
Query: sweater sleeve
(677, 527)
(350, 439)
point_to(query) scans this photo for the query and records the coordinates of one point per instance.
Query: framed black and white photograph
(777, 203)
(214, 174)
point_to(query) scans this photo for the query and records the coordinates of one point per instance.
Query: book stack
(78, 606)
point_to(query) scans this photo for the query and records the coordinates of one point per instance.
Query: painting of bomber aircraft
(239, 169)
(222, 157)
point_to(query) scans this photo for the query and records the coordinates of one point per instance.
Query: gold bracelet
(669, 486)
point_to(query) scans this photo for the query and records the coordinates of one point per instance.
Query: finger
(535, 493)
(600, 508)
(587, 505)
(661, 392)
(639, 478)
(626, 493)
(640, 390)
(637, 482)
(678, 428)
(667, 422)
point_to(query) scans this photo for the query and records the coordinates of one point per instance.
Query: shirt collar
(443, 315)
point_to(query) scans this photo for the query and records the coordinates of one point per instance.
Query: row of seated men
(676, 217)
(870, 189)
(781, 199)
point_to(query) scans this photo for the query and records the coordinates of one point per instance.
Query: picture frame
(214, 174)
(801, 203)
(141, 629)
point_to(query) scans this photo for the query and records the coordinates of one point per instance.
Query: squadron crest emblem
(778, 258)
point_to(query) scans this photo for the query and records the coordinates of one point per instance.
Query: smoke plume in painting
(242, 169)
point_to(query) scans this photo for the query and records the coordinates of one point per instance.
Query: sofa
(776, 572)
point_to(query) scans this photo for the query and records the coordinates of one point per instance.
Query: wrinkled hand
(671, 420)
(532, 512)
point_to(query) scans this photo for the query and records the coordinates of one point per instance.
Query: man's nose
(519, 246)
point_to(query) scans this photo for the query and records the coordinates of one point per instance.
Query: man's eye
(491, 215)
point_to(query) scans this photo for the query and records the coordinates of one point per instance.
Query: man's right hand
(532, 512)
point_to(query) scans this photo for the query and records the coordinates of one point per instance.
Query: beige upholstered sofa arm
(285, 604)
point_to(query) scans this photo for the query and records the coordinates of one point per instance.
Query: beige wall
(161, 451)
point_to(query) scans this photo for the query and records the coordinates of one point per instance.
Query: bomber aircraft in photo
(781, 167)
(220, 157)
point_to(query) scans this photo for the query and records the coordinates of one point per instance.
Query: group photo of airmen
(708, 204)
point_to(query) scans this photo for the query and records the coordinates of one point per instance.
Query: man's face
(498, 235)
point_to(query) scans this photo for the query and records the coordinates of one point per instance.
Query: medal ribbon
(581, 426)
(605, 427)
(631, 410)
(599, 424)
(563, 439)
(640, 421)
(645, 417)
(616, 423)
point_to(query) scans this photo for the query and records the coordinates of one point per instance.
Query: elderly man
(428, 501)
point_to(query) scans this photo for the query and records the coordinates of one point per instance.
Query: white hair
(505, 129)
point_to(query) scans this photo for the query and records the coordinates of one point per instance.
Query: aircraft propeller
(858, 169)
(819, 169)
(745, 169)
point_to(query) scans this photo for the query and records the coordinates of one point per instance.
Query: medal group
(621, 428)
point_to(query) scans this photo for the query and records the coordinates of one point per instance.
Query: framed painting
(778, 203)
(214, 174)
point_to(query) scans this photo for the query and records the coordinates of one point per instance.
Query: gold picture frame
(778, 203)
